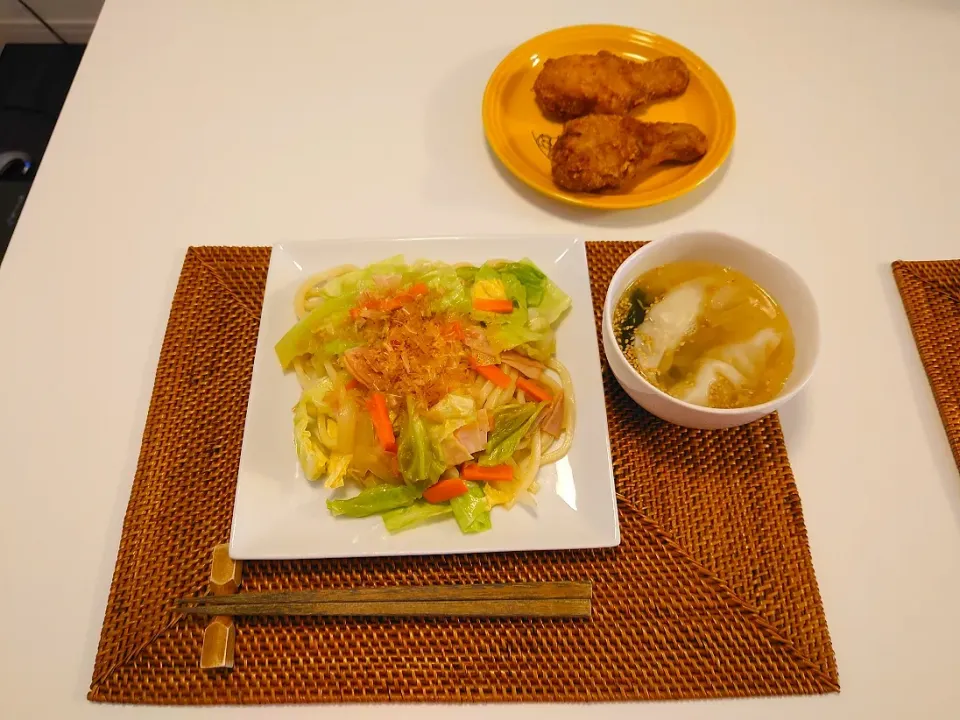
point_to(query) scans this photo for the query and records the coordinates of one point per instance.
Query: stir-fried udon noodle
(434, 389)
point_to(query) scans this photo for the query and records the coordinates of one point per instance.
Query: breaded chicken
(603, 152)
(576, 85)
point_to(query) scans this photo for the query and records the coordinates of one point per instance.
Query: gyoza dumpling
(750, 356)
(667, 324)
(729, 369)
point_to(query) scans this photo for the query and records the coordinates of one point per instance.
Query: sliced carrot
(492, 305)
(351, 384)
(534, 390)
(416, 290)
(393, 303)
(377, 405)
(494, 473)
(355, 313)
(445, 490)
(492, 373)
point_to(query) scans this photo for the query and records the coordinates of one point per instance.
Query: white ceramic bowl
(771, 273)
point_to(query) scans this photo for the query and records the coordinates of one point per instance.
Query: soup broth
(706, 334)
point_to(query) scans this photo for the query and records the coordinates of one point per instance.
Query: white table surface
(227, 122)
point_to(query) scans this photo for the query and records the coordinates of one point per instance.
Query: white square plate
(279, 514)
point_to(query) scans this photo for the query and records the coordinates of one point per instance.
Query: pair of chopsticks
(533, 599)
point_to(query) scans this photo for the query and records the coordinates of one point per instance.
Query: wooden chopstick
(416, 608)
(549, 599)
(504, 591)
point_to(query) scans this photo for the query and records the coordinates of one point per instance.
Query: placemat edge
(904, 274)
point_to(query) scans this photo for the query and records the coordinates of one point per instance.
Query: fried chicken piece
(594, 153)
(576, 85)
(603, 152)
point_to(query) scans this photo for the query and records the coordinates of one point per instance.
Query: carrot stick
(495, 473)
(416, 290)
(491, 305)
(534, 390)
(492, 373)
(377, 405)
(351, 384)
(445, 490)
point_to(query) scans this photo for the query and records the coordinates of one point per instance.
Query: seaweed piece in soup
(630, 313)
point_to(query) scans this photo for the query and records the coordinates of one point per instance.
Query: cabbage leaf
(375, 500)
(419, 513)
(472, 511)
(310, 411)
(510, 423)
(418, 457)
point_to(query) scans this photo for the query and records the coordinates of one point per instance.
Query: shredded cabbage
(544, 348)
(419, 460)
(375, 500)
(472, 511)
(310, 411)
(530, 276)
(502, 493)
(554, 304)
(326, 317)
(339, 464)
(549, 300)
(450, 289)
(510, 424)
(450, 414)
(419, 513)
(357, 281)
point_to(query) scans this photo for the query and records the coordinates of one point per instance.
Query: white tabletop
(225, 122)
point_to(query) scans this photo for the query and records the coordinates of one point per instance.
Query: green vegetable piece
(510, 424)
(338, 347)
(418, 459)
(297, 341)
(448, 289)
(375, 500)
(505, 330)
(415, 515)
(554, 304)
(467, 273)
(309, 410)
(472, 511)
(533, 280)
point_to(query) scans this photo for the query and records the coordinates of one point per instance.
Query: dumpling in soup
(667, 324)
(727, 370)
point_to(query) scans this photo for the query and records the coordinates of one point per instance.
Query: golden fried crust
(595, 152)
(602, 152)
(667, 142)
(658, 79)
(576, 85)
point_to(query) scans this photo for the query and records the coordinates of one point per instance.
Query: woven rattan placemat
(930, 291)
(710, 594)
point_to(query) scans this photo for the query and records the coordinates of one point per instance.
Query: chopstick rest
(219, 637)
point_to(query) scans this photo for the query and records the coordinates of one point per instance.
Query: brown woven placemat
(710, 594)
(930, 291)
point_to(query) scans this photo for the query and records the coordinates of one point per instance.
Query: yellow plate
(518, 132)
